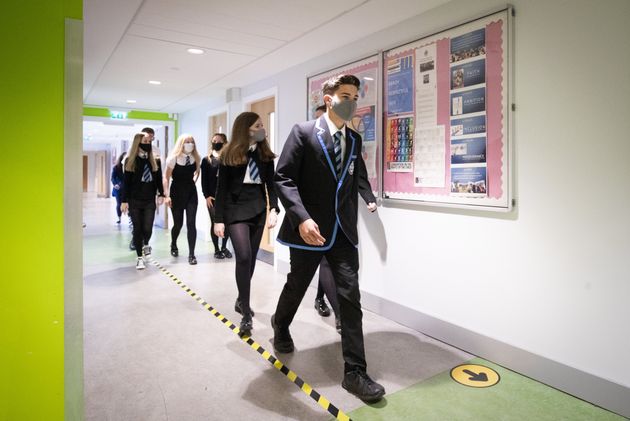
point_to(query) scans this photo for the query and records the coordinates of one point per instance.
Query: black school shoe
(321, 307)
(239, 308)
(219, 255)
(282, 341)
(174, 251)
(226, 253)
(247, 324)
(362, 386)
(192, 260)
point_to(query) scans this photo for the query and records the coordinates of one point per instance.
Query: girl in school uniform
(209, 176)
(143, 181)
(245, 181)
(183, 166)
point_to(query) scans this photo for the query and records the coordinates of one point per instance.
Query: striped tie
(337, 146)
(253, 170)
(146, 174)
(187, 159)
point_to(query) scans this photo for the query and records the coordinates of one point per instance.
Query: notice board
(447, 117)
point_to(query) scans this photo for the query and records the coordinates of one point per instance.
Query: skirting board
(593, 389)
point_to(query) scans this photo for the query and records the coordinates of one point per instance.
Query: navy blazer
(230, 185)
(308, 187)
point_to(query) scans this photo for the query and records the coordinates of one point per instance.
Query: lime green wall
(32, 170)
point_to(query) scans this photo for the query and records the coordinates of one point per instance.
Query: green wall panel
(32, 287)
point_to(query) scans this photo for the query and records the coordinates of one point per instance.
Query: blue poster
(468, 151)
(472, 101)
(468, 74)
(469, 45)
(364, 122)
(471, 180)
(400, 91)
(468, 125)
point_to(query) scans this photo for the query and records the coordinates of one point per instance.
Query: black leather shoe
(174, 251)
(132, 246)
(192, 260)
(362, 386)
(338, 325)
(322, 307)
(239, 308)
(219, 255)
(226, 253)
(282, 341)
(247, 324)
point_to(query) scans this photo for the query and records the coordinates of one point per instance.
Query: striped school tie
(187, 159)
(146, 174)
(253, 170)
(337, 147)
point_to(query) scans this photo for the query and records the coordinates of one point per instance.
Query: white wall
(551, 277)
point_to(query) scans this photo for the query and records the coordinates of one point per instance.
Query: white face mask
(189, 147)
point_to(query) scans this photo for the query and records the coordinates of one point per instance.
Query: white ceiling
(129, 42)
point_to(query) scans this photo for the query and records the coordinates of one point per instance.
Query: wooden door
(266, 109)
(85, 173)
(217, 124)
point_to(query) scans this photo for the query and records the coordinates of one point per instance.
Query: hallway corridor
(154, 353)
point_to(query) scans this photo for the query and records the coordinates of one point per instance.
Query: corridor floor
(152, 352)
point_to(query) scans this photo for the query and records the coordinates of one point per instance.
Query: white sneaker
(146, 250)
(140, 264)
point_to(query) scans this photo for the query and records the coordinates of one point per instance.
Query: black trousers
(215, 239)
(118, 203)
(142, 213)
(326, 285)
(343, 259)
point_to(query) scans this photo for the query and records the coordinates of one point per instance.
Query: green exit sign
(118, 115)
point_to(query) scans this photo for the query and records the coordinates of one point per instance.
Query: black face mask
(145, 147)
(217, 146)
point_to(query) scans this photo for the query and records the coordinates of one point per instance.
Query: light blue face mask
(344, 109)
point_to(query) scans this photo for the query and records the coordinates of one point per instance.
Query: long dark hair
(235, 152)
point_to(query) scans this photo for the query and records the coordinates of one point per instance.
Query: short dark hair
(331, 85)
(321, 108)
(148, 130)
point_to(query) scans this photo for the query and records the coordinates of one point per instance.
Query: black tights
(215, 239)
(326, 285)
(191, 227)
(142, 216)
(246, 237)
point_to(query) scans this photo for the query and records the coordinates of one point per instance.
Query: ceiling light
(195, 51)
(155, 82)
(368, 78)
(131, 101)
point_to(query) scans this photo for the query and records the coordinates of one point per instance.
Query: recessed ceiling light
(131, 101)
(368, 78)
(155, 82)
(195, 51)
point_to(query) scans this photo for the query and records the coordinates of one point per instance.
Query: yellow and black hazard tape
(301, 384)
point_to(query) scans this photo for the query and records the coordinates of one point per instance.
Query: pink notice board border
(400, 185)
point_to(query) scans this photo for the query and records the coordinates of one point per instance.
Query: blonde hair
(130, 163)
(178, 149)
